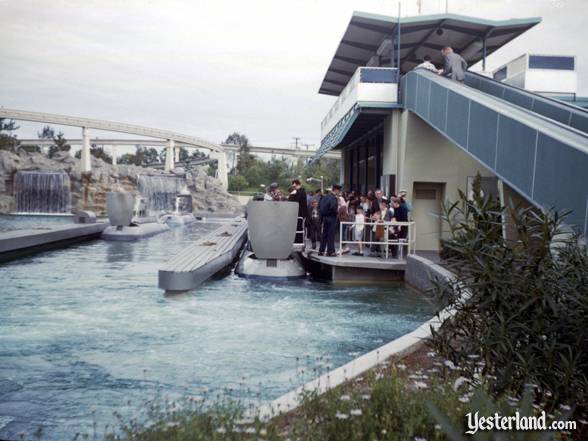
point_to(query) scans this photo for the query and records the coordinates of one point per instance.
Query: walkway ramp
(529, 142)
(209, 255)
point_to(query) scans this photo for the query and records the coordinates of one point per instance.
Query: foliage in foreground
(520, 305)
(382, 407)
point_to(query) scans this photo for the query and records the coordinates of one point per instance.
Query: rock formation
(88, 190)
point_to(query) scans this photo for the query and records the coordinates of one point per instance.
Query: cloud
(210, 68)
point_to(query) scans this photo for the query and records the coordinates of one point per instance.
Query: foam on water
(85, 329)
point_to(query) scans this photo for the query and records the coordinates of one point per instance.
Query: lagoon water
(84, 332)
(36, 222)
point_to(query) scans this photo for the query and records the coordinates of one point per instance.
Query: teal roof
(419, 36)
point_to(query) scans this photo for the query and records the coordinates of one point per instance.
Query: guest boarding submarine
(270, 250)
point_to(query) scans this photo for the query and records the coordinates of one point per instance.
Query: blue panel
(472, 81)
(437, 106)
(457, 118)
(552, 110)
(517, 98)
(561, 178)
(367, 75)
(410, 81)
(543, 106)
(516, 153)
(580, 122)
(482, 135)
(551, 62)
(492, 88)
(422, 97)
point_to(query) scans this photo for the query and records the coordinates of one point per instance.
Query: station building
(401, 128)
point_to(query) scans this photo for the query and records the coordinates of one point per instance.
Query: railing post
(387, 238)
(340, 239)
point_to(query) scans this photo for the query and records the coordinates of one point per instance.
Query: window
(551, 62)
(500, 75)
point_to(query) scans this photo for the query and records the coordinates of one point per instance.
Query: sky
(209, 68)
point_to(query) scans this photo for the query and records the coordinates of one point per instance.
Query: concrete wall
(421, 272)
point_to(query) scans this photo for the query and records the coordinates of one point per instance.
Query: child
(358, 230)
(313, 228)
(379, 231)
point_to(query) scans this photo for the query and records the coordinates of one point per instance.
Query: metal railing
(303, 232)
(408, 242)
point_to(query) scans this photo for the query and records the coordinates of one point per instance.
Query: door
(426, 212)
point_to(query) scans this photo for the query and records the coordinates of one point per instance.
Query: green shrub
(526, 309)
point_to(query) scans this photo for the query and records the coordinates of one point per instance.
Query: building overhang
(372, 35)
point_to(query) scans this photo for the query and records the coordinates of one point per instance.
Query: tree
(60, 143)
(127, 159)
(98, 152)
(245, 157)
(151, 155)
(237, 183)
(184, 154)
(327, 168)
(7, 139)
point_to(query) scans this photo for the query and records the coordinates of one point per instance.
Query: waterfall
(42, 192)
(161, 191)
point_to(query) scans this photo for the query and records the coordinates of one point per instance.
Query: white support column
(177, 154)
(221, 169)
(113, 154)
(85, 162)
(169, 155)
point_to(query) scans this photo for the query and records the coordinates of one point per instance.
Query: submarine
(270, 251)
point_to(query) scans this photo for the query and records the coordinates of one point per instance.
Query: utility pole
(296, 139)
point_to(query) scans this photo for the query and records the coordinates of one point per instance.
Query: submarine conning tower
(272, 231)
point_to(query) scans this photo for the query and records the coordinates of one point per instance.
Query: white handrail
(300, 231)
(409, 241)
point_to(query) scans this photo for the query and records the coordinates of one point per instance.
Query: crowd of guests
(358, 217)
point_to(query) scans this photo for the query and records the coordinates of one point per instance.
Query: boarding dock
(198, 262)
(19, 243)
(347, 268)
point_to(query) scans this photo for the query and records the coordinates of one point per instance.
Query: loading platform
(347, 268)
(19, 243)
(211, 254)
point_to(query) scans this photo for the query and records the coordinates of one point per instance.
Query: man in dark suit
(298, 194)
(328, 208)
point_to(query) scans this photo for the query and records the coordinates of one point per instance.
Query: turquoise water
(85, 331)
